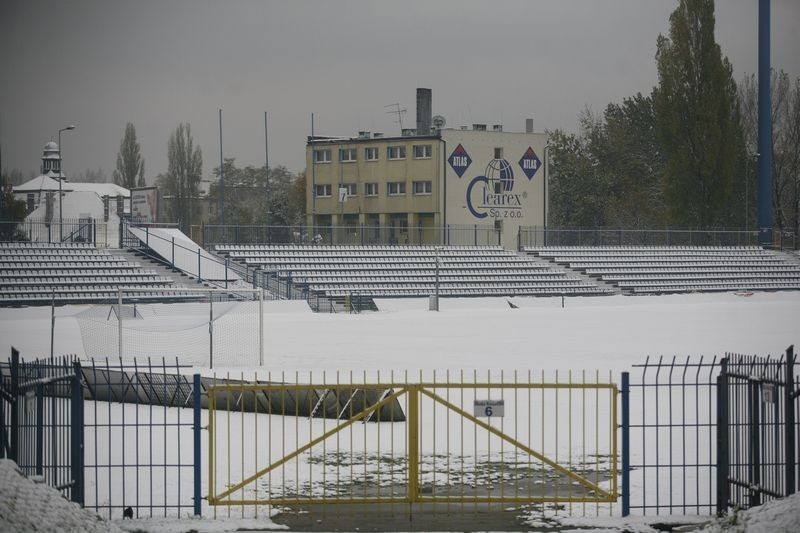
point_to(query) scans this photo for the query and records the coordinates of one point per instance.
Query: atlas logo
(459, 160)
(485, 194)
(530, 163)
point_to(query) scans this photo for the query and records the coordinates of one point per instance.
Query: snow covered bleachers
(669, 269)
(37, 273)
(391, 271)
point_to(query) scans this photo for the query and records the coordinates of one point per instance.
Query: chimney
(528, 125)
(424, 104)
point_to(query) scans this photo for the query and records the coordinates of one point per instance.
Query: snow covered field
(601, 336)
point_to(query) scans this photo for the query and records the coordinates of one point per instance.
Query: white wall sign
(489, 408)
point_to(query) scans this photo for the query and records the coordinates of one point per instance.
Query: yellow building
(453, 186)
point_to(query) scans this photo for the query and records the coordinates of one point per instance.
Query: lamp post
(544, 185)
(61, 179)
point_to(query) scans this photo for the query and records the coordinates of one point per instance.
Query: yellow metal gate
(448, 441)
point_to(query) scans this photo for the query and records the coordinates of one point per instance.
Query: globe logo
(499, 170)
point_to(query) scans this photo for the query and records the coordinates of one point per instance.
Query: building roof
(47, 183)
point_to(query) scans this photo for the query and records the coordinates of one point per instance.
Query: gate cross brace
(580, 479)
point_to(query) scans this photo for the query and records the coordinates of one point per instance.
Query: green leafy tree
(696, 119)
(12, 212)
(253, 192)
(180, 184)
(130, 163)
(785, 98)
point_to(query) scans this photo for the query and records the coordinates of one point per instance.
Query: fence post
(210, 329)
(754, 389)
(119, 321)
(76, 436)
(14, 445)
(39, 427)
(199, 278)
(173, 254)
(626, 445)
(475, 234)
(226, 270)
(723, 495)
(789, 426)
(198, 478)
(260, 326)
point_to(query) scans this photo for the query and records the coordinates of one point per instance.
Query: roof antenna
(397, 110)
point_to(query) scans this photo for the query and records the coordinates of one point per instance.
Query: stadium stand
(672, 269)
(396, 271)
(40, 273)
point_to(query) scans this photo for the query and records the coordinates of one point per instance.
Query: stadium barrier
(84, 230)
(356, 234)
(552, 236)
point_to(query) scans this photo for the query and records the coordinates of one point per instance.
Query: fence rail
(542, 236)
(86, 230)
(357, 234)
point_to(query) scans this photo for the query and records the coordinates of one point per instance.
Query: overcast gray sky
(101, 63)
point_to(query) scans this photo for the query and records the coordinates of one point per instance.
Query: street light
(61, 179)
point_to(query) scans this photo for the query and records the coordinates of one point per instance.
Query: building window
(347, 155)
(498, 153)
(396, 188)
(396, 152)
(371, 154)
(371, 189)
(422, 151)
(322, 191)
(422, 187)
(352, 188)
(31, 202)
(322, 156)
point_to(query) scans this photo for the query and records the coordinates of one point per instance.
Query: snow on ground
(608, 334)
(26, 505)
(777, 516)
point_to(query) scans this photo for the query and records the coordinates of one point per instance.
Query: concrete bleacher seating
(392, 271)
(672, 269)
(41, 273)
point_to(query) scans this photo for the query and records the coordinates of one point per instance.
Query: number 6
(488, 410)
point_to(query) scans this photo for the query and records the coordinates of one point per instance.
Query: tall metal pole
(221, 175)
(764, 126)
(266, 159)
(313, 178)
(544, 185)
(60, 180)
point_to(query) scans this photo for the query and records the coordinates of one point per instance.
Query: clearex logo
(490, 195)
(529, 163)
(459, 160)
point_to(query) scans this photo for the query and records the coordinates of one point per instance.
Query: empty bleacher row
(673, 269)
(396, 271)
(40, 273)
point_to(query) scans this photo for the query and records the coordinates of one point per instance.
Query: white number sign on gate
(489, 408)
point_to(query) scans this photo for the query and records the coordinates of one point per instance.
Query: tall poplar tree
(130, 163)
(184, 170)
(696, 119)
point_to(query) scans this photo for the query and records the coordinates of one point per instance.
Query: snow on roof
(46, 183)
(102, 189)
(41, 183)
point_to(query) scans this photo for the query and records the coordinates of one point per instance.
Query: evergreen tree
(696, 118)
(182, 179)
(130, 164)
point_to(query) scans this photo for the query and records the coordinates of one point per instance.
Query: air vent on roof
(363, 134)
(408, 132)
(377, 135)
(479, 127)
(497, 127)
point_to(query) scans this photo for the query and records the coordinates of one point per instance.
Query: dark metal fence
(68, 230)
(41, 405)
(108, 435)
(541, 236)
(669, 412)
(759, 431)
(357, 234)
